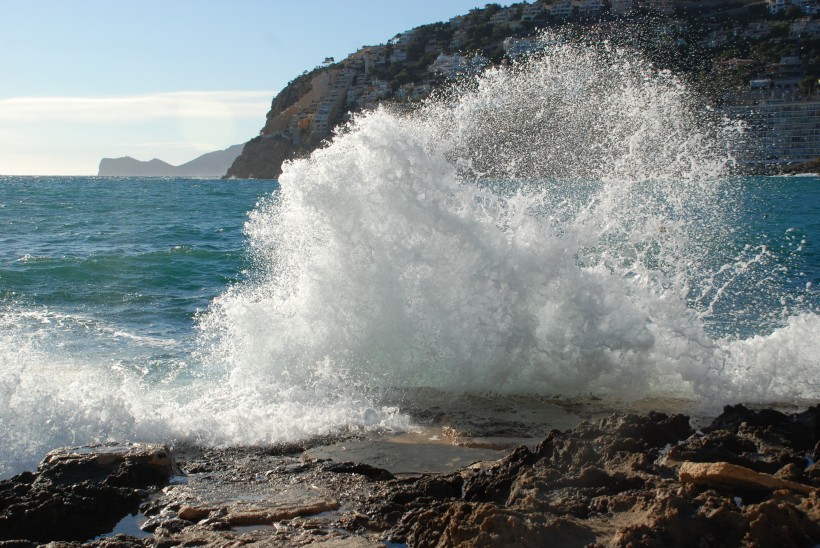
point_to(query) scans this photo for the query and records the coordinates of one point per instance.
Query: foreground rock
(734, 477)
(627, 480)
(748, 479)
(78, 493)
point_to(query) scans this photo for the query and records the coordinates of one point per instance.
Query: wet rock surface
(78, 493)
(639, 480)
(748, 479)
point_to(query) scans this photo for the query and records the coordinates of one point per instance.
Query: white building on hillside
(780, 130)
(504, 15)
(449, 64)
(531, 12)
(562, 9)
(588, 8)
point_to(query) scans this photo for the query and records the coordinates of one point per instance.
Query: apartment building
(809, 7)
(504, 15)
(782, 123)
(562, 9)
(779, 131)
(532, 12)
(622, 7)
(588, 8)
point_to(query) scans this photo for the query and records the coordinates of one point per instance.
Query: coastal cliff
(723, 49)
(263, 156)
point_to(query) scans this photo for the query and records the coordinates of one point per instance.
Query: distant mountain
(212, 164)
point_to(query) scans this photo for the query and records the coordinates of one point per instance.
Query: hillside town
(758, 62)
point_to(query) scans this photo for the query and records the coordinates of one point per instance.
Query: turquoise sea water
(131, 260)
(773, 247)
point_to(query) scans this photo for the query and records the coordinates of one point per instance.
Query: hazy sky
(87, 79)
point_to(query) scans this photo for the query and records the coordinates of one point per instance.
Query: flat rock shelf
(746, 478)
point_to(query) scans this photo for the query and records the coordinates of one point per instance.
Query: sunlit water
(565, 226)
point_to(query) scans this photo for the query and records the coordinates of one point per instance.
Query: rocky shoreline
(750, 478)
(807, 168)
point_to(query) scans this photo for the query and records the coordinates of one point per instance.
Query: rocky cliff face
(262, 158)
(303, 114)
(682, 38)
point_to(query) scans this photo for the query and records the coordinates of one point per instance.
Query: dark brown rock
(732, 476)
(764, 441)
(262, 158)
(79, 493)
(370, 472)
(615, 482)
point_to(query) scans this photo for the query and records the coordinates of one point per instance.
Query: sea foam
(554, 227)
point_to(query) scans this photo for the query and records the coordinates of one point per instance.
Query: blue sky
(173, 79)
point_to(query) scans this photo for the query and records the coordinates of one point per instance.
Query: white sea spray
(550, 227)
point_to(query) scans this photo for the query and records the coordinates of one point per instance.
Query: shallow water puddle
(129, 525)
(405, 458)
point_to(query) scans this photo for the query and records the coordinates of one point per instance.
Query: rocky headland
(211, 164)
(748, 478)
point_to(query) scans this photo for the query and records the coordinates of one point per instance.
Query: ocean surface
(569, 227)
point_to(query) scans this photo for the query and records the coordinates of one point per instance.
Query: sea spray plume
(534, 230)
(633, 148)
(454, 247)
(45, 398)
(580, 109)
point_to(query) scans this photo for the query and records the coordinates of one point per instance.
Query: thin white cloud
(188, 104)
(69, 135)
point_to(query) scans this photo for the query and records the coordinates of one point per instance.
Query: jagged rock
(616, 438)
(764, 441)
(254, 514)
(484, 524)
(724, 474)
(812, 166)
(131, 465)
(779, 523)
(608, 482)
(79, 493)
(370, 472)
(494, 483)
(262, 158)
(615, 481)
